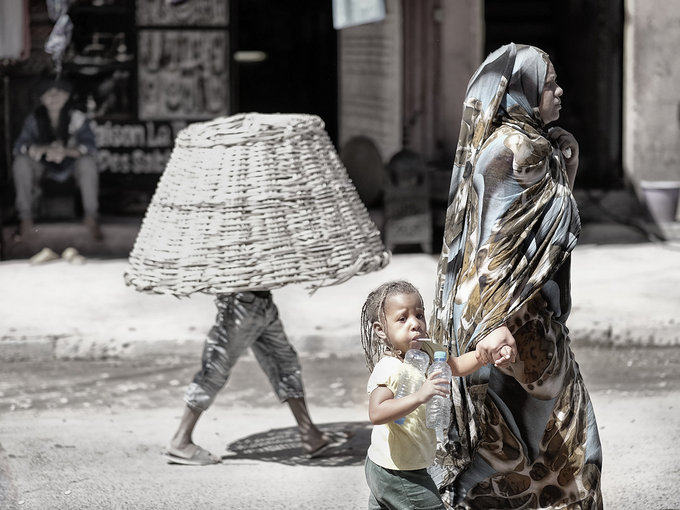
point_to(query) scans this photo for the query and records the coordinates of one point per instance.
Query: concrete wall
(461, 54)
(370, 61)
(370, 81)
(651, 92)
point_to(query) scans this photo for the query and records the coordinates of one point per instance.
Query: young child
(392, 322)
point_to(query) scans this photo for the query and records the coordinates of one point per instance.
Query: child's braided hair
(374, 311)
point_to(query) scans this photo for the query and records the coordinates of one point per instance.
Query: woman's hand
(568, 146)
(497, 346)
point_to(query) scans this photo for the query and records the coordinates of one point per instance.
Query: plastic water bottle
(439, 407)
(412, 375)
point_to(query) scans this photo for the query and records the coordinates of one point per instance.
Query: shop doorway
(284, 59)
(585, 42)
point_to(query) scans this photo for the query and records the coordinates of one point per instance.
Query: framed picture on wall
(182, 74)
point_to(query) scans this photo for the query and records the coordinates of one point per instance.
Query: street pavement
(623, 294)
(92, 373)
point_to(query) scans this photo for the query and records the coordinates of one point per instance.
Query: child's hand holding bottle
(433, 385)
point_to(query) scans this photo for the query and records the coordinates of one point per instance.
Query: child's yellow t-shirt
(404, 447)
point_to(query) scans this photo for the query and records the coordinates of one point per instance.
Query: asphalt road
(88, 434)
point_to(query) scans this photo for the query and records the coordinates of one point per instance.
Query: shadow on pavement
(349, 443)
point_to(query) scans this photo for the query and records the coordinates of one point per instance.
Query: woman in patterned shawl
(523, 436)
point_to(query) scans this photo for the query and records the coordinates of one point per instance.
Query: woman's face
(551, 103)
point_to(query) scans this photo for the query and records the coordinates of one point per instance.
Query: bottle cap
(439, 356)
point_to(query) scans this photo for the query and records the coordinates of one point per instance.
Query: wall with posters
(182, 59)
(182, 74)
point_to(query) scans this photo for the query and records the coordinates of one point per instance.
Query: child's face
(404, 322)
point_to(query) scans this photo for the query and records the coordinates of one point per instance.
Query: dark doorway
(284, 59)
(585, 42)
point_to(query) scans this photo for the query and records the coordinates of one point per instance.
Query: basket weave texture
(253, 202)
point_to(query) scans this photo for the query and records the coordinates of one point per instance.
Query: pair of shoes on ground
(47, 254)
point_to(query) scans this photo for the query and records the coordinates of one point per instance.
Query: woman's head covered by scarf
(508, 84)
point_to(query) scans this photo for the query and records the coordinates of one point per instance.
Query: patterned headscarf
(510, 224)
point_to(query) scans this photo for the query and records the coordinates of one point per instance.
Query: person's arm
(570, 150)
(26, 141)
(464, 364)
(81, 140)
(384, 408)
(56, 152)
(85, 140)
(470, 362)
(72, 152)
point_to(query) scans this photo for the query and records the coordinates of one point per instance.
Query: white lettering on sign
(135, 148)
(134, 162)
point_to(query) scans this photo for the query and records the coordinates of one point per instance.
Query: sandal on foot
(333, 440)
(200, 457)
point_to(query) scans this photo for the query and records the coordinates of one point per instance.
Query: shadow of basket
(348, 446)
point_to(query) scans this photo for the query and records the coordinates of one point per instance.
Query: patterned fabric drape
(511, 224)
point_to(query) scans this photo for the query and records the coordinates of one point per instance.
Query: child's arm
(464, 364)
(384, 408)
(468, 362)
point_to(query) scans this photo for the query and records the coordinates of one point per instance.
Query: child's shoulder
(386, 366)
(387, 362)
(383, 371)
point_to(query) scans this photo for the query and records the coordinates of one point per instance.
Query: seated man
(57, 139)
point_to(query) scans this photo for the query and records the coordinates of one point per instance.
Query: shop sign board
(136, 148)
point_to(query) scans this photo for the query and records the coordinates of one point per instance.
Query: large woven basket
(253, 202)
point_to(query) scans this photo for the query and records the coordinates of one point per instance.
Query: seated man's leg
(27, 173)
(87, 177)
(280, 362)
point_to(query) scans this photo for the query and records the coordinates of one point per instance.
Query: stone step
(119, 237)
